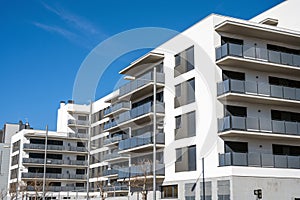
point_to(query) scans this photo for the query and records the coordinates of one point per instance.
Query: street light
(154, 127)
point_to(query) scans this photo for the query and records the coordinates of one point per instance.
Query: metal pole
(154, 133)
(203, 179)
(89, 149)
(18, 177)
(45, 162)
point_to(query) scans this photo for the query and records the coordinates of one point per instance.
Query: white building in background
(227, 92)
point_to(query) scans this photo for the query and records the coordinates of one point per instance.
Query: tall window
(184, 61)
(185, 93)
(185, 125)
(224, 190)
(185, 159)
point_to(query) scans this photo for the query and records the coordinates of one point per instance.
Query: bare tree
(142, 182)
(36, 186)
(3, 194)
(100, 186)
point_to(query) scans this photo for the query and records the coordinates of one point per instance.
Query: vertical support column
(154, 133)
(89, 154)
(45, 163)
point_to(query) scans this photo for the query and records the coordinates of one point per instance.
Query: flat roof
(261, 31)
(137, 65)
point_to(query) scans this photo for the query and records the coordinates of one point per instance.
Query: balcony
(110, 173)
(56, 189)
(114, 139)
(40, 161)
(257, 92)
(115, 156)
(78, 135)
(138, 115)
(142, 171)
(142, 142)
(259, 160)
(116, 109)
(116, 188)
(141, 86)
(83, 123)
(41, 147)
(30, 175)
(236, 126)
(256, 58)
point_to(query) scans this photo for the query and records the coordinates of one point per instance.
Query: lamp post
(45, 163)
(154, 127)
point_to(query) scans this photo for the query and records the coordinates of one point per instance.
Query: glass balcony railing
(110, 172)
(258, 88)
(78, 135)
(116, 107)
(57, 189)
(113, 155)
(54, 176)
(141, 170)
(115, 139)
(258, 124)
(254, 52)
(141, 140)
(134, 113)
(259, 160)
(116, 188)
(140, 82)
(54, 161)
(55, 147)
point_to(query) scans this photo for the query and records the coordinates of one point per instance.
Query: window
(82, 117)
(80, 144)
(82, 131)
(208, 193)
(237, 111)
(178, 155)
(185, 125)
(169, 191)
(233, 75)
(16, 146)
(285, 116)
(178, 90)
(189, 193)
(286, 150)
(223, 190)
(225, 40)
(178, 121)
(184, 61)
(238, 147)
(80, 157)
(80, 171)
(186, 159)
(185, 93)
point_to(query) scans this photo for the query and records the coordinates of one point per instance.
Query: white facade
(228, 93)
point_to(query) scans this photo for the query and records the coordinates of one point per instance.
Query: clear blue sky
(43, 44)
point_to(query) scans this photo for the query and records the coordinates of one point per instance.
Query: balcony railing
(110, 172)
(257, 88)
(116, 107)
(259, 160)
(115, 139)
(141, 170)
(113, 155)
(54, 176)
(254, 124)
(55, 147)
(78, 135)
(140, 82)
(141, 140)
(134, 113)
(257, 53)
(56, 189)
(78, 122)
(54, 161)
(116, 188)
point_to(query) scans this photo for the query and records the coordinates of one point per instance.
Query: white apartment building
(50, 163)
(222, 100)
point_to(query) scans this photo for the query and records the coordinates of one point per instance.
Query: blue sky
(43, 44)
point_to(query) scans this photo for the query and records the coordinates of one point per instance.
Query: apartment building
(50, 163)
(218, 103)
(222, 97)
